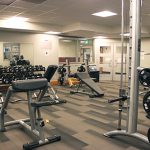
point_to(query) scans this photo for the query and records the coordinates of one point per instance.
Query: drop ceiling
(72, 17)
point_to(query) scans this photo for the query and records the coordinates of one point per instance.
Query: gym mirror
(76, 50)
(12, 51)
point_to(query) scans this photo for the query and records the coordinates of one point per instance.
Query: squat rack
(133, 79)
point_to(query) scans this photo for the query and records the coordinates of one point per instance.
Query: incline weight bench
(34, 124)
(85, 79)
(49, 73)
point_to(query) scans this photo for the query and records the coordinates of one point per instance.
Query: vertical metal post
(121, 90)
(31, 110)
(135, 37)
(86, 64)
(68, 66)
(122, 45)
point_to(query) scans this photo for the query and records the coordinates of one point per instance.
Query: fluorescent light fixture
(104, 14)
(17, 19)
(100, 37)
(52, 32)
(126, 34)
(67, 41)
(15, 22)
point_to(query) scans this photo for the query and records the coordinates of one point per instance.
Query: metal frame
(134, 62)
(34, 124)
(80, 89)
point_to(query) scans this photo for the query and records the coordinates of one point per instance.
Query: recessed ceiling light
(67, 41)
(104, 14)
(126, 34)
(52, 32)
(17, 19)
(15, 22)
(100, 37)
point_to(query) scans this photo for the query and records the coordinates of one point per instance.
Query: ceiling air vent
(6, 2)
(35, 1)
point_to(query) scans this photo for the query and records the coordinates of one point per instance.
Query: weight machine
(133, 83)
(34, 124)
(62, 74)
(144, 78)
(85, 79)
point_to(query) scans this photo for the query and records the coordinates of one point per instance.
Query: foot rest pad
(47, 103)
(30, 146)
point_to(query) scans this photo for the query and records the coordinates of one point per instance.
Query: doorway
(110, 62)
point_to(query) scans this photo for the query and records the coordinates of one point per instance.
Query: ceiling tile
(35, 1)
(6, 2)
(2, 7)
(24, 4)
(15, 9)
(42, 7)
(33, 13)
(8, 13)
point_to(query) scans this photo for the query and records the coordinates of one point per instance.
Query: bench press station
(34, 124)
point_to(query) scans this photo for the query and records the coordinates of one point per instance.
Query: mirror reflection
(76, 50)
(16, 54)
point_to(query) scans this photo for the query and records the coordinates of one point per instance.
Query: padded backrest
(51, 69)
(82, 75)
(29, 85)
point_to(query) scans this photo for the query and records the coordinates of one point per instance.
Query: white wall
(68, 48)
(27, 50)
(45, 46)
(145, 53)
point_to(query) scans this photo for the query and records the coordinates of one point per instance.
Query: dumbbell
(40, 68)
(1, 71)
(6, 79)
(4, 69)
(36, 68)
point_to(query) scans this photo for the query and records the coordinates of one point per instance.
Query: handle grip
(123, 98)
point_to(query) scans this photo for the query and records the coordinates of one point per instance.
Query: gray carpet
(81, 122)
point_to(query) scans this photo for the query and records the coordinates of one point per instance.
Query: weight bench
(49, 73)
(34, 124)
(85, 79)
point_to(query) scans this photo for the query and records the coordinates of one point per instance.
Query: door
(86, 53)
(106, 62)
(117, 62)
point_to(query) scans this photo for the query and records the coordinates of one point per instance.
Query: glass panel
(105, 60)
(75, 50)
(119, 49)
(105, 49)
(118, 61)
(11, 52)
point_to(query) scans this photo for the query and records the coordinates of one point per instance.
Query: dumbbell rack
(11, 73)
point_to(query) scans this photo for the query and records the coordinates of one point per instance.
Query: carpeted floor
(81, 122)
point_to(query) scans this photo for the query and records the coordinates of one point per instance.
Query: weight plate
(144, 77)
(148, 135)
(146, 103)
